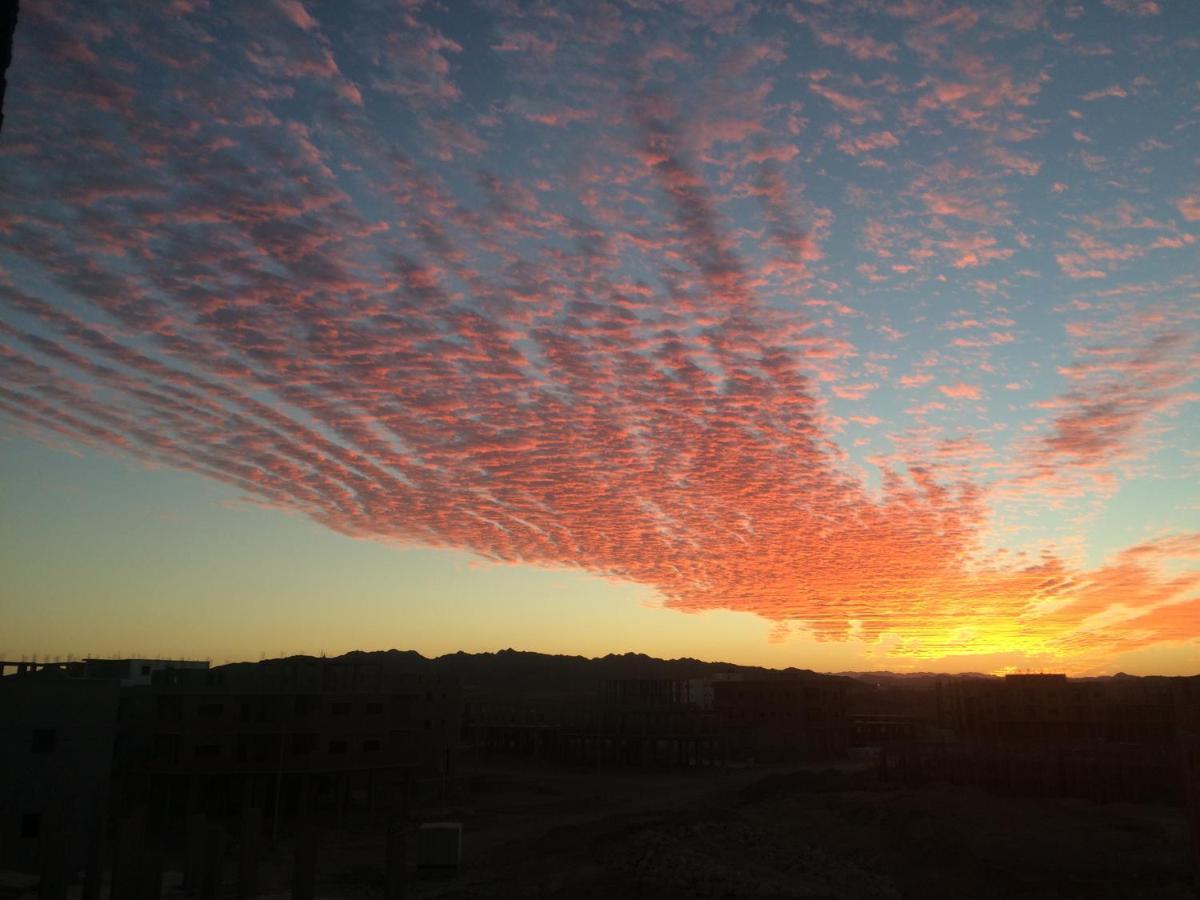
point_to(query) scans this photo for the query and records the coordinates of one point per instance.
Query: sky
(845, 335)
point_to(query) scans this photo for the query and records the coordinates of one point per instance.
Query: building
(1055, 708)
(55, 759)
(778, 719)
(135, 672)
(657, 722)
(285, 736)
(1187, 718)
(1101, 739)
(625, 722)
(126, 672)
(875, 729)
(541, 728)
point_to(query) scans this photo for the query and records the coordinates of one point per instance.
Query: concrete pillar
(247, 883)
(128, 866)
(343, 789)
(193, 854)
(54, 854)
(304, 864)
(152, 871)
(213, 865)
(394, 867)
(192, 801)
(93, 872)
(406, 797)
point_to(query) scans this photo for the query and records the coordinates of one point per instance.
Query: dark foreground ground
(765, 833)
(803, 834)
(780, 833)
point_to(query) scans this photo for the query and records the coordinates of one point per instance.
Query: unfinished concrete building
(783, 719)
(1055, 708)
(284, 736)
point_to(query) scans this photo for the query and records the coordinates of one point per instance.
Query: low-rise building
(285, 735)
(55, 759)
(1054, 708)
(783, 718)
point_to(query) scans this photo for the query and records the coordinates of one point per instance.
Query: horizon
(852, 338)
(301, 654)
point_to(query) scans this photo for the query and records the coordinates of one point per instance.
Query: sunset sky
(857, 334)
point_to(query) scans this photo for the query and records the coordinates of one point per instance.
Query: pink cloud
(296, 13)
(422, 319)
(913, 381)
(1134, 7)
(960, 390)
(861, 108)
(881, 140)
(854, 391)
(1113, 90)
(860, 46)
(1116, 393)
(1189, 207)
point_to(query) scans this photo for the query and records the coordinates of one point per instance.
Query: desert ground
(806, 832)
(774, 832)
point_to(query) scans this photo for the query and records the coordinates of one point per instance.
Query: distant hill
(521, 673)
(543, 675)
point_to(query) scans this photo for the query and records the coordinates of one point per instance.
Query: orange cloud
(960, 391)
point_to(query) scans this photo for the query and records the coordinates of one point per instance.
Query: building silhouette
(777, 719)
(641, 722)
(1111, 739)
(286, 736)
(55, 762)
(1055, 708)
(91, 746)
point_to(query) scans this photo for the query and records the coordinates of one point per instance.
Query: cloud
(862, 47)
(960, 391)
(860, 108)
(1134, 7)
(881, 140)
(1113, 90)
(1115, 393)
(297, 14)
(535, 296)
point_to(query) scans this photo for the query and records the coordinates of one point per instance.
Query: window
(306, 704)
(170, 709)
(374, 709)
(267, 746)
(337, 746)
(211, 710)
(145, 670)
(371, 746)
(43, 740)
(341, 709)
(31, 825)
(303, 743)
(208, 751)
(166, 749)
